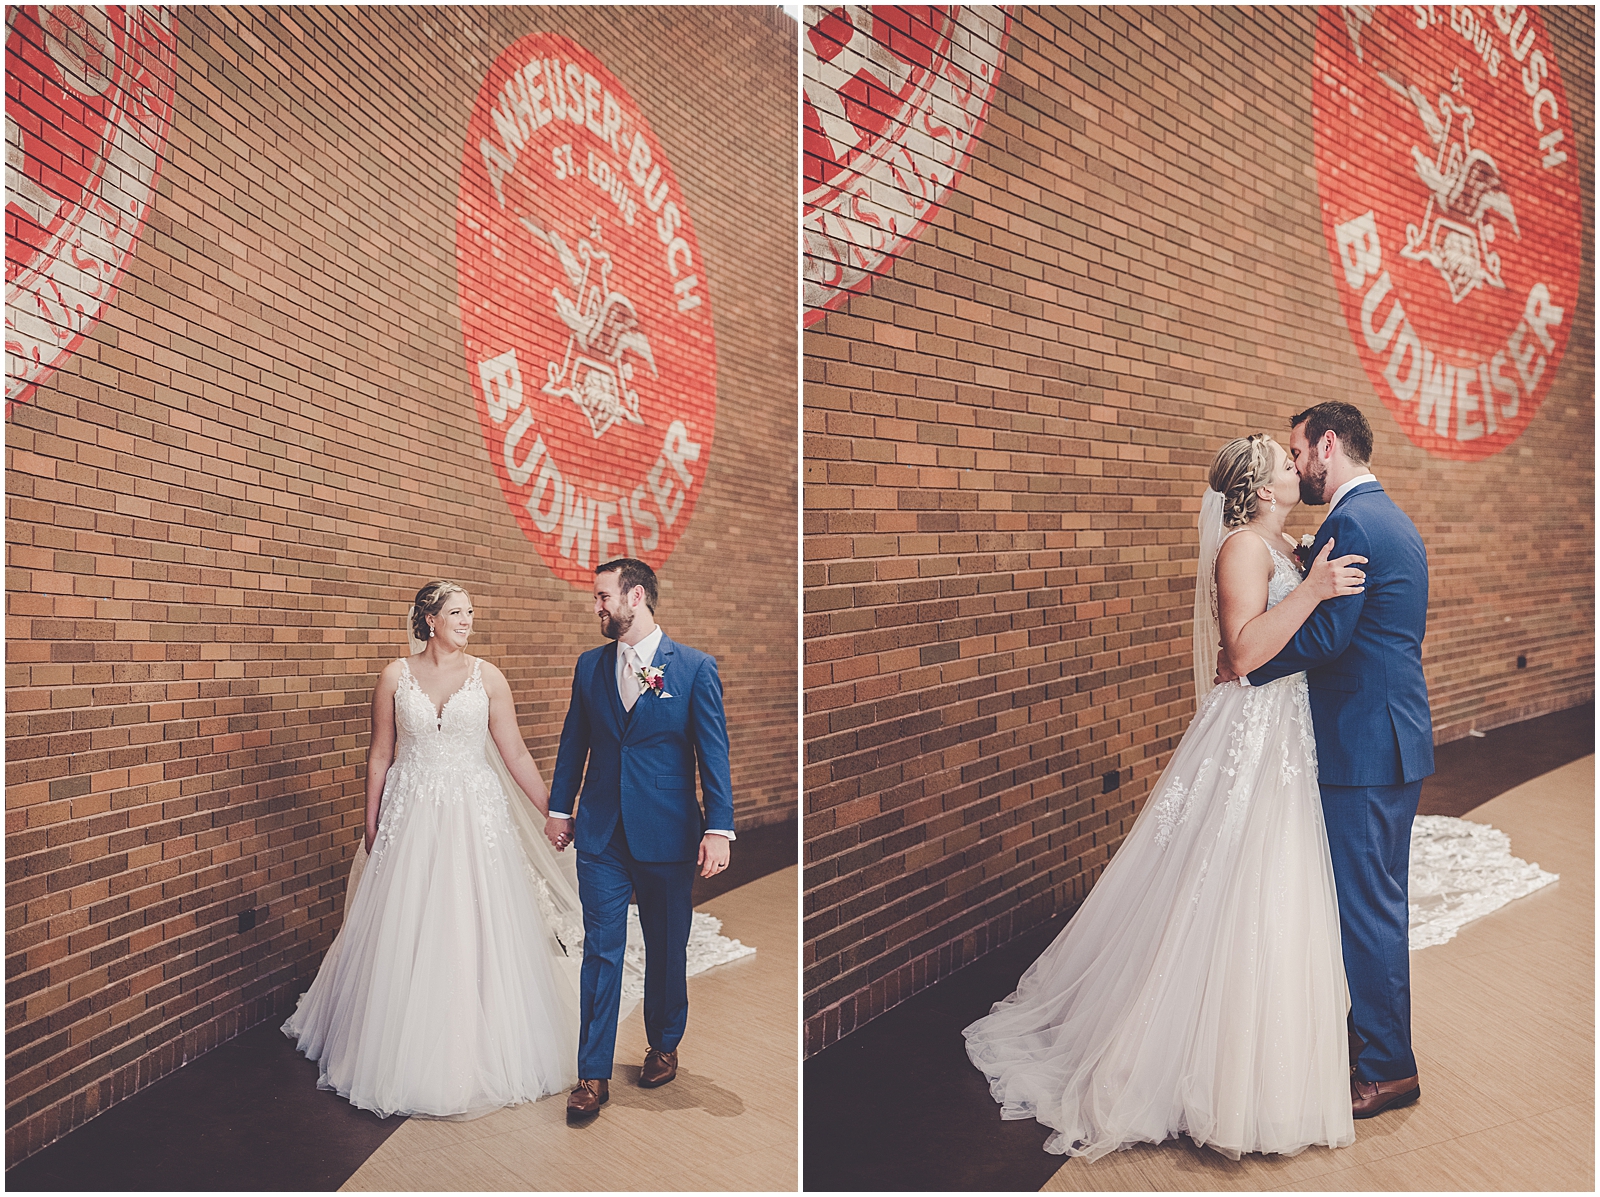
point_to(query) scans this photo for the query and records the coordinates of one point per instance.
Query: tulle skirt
(445, 993)
(1200, 988)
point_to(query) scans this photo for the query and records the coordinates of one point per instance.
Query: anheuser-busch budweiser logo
(88, 104)
(895, 96)
(1451, 203)
(584, 311)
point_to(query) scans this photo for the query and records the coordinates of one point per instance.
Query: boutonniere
(653, 680)
(1302, 552)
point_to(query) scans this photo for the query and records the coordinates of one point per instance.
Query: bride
(1200, 987)
(451, 988)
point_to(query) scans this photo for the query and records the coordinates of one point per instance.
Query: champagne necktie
(630, 677)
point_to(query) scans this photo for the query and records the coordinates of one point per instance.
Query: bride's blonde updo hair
(430, 600)
(1241, 468)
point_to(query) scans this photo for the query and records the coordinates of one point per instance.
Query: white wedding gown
(1200, 988)
(447, 992)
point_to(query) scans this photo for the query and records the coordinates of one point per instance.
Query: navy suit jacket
(642, 766)
(1362, 653)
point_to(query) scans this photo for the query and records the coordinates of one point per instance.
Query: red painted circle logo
(1451, 203)
(88, 104)
(584, 311)
(894, 97)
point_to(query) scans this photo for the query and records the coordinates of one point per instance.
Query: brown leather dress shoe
(659, 1068)
(585, 1100)
(1374, 1097)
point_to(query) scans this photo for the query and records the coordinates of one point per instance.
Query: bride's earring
(1274, 503)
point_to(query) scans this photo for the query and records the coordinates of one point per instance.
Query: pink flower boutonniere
(653, 680)
(1302, 552)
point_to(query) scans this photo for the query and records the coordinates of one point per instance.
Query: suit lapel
(607, 681)
(664, 649)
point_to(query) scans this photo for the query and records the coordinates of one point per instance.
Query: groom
(1362, 655)
(646, 714)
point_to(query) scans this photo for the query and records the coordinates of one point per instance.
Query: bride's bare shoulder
(1244, 567)
(389, 677)
(1243, 548)
(493, 680)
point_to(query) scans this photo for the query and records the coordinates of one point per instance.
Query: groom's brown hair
(632, 572)
(1345, 421)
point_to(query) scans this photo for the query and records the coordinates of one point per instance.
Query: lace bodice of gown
(440, 749)
(1285, 577)
(453, 734)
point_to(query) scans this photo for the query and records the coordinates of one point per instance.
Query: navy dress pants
(1369, 835)
(664, 891)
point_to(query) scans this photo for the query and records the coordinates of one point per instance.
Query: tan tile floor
(1503, 1021)
(728, 1122)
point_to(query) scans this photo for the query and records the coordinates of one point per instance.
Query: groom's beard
(1312, 486)
(613, 627)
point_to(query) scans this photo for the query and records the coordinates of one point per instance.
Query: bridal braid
(430, 600)
(1242, 467)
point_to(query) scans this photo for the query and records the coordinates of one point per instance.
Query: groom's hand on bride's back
(1224, 673)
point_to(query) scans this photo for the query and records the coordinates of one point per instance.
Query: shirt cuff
(555, 814)
(1244, 679)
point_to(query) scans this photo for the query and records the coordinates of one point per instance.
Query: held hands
(714, 854)
(1333, 579)
(558, 832)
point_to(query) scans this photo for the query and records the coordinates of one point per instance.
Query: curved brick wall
(1007, 432)
(221, 501)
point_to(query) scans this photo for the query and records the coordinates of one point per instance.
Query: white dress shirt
(645, 650)
(1359, 480)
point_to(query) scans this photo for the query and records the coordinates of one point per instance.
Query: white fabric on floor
(1461, 871)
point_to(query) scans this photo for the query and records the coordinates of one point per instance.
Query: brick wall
(219, 506)
(1006, 439)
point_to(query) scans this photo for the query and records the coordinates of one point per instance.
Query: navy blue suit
(1362, 656)
(637, 830)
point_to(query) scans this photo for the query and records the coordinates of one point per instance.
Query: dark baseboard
(1470, 771)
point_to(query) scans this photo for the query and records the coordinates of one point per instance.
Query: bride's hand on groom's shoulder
(1331, 577)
